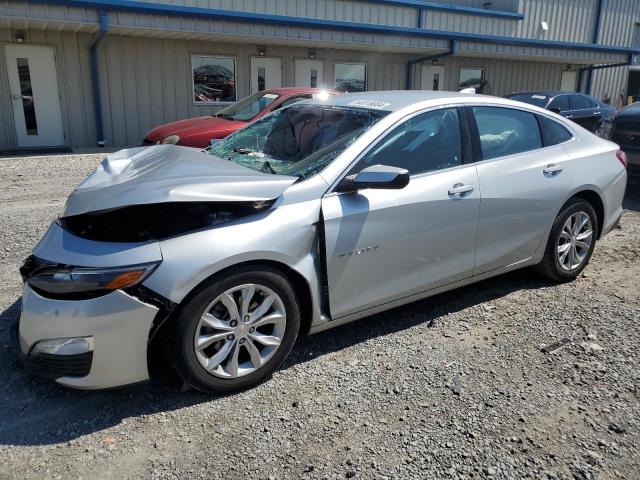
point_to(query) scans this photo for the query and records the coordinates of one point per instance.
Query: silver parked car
(319, 214)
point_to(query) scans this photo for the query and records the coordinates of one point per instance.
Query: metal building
(76, 73)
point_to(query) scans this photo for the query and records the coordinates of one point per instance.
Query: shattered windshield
(249, 107)
(299, 141)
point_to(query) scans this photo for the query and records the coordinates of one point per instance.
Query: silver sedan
(319, 214)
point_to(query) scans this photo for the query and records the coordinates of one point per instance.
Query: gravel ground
(455, 386)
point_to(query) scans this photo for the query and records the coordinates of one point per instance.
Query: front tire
(236, 330)
(571, 242)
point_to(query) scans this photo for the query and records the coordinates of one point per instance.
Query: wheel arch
(595, 200)
(299, 283)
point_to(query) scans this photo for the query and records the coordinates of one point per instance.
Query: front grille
(56, 366)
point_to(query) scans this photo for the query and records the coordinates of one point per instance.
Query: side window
(506, 131)
(426, 142)
(292, 100)
(580, 102)
(553, 132)
(561, 102)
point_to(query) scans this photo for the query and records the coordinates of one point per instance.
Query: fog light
(64, 346)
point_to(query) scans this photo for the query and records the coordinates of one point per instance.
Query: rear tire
(236, 330)
(571, 241)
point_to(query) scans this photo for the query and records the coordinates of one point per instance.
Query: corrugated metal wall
(147, 81)
(7, 130)
(617, 28)
(504, 76)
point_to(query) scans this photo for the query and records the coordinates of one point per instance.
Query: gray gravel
(455, 386)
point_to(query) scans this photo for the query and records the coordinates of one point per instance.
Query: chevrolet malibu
(319, 214)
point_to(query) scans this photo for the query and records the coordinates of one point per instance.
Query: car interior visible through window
(299, 140)
(553, 132)
(506, 131)
(429, 141)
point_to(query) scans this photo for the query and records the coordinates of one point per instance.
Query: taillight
(622, 157)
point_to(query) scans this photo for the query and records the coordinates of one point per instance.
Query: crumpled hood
(169, 173)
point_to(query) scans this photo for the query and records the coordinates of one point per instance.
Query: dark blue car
(581, 108)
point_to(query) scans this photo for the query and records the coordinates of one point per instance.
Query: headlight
(89, 282)
(171, 139)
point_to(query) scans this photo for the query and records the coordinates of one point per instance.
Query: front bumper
(118, 324)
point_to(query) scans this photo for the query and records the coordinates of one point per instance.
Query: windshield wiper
(266, 166)
(225, 116)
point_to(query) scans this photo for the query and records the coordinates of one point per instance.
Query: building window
(214, 79)
(350, 77)
(474, 78)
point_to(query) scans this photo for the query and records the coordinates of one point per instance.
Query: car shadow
(39, 412)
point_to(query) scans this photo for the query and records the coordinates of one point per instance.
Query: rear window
(531, 99)
(553, 132)
(506, 131)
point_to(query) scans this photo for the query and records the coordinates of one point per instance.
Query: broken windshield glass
(299, 141)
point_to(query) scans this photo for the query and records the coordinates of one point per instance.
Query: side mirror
(376, 176)
(555, 110)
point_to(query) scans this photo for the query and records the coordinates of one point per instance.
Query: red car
(197, 132)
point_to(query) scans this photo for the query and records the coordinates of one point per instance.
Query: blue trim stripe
(247, 17)
(446, 7)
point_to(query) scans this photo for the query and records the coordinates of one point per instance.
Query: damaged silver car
(321, 213)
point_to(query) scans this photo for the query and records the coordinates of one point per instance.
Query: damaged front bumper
(115, 328)
(90, 342)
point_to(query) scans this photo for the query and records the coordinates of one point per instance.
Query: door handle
(552, 169)
(460, 189)
(596, 113)
(568, 116)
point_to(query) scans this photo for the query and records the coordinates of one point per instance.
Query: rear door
(382, 245)
(584, 111)
(523, 178)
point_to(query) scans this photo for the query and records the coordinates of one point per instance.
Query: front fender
(286, 235)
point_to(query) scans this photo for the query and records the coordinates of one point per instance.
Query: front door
(432, 77)
(309, 73)
(265, 73)
(382, 245)
(35, 99)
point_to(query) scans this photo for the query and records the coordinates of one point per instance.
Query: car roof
(546, 93)
(294, 90)
(393, 100)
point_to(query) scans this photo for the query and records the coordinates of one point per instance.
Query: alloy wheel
(240, 331)
(575, 241)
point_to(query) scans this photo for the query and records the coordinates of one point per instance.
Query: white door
(265, 73)
(568, 81)
(35, 97)
(309, 73)
(432, 77)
